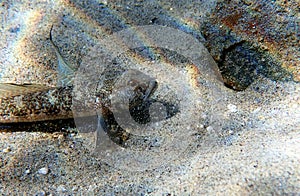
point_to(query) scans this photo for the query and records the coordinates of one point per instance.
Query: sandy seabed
(249, 146)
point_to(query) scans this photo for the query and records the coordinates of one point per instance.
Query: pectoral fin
(65, 71)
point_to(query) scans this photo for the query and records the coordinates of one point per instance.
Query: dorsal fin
(65, 71)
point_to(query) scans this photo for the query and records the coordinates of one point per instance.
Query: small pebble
(61, 188)
(40, 193)
(104, 2)
(44, 170)
(209, 128)
(201, 126)
(232, 108)
(6, 150)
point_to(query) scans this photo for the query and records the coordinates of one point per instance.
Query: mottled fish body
(36, 107)
(28, 105)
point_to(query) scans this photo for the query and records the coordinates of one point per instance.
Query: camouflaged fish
(33, 107)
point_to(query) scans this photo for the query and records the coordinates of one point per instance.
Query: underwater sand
(248, 143)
